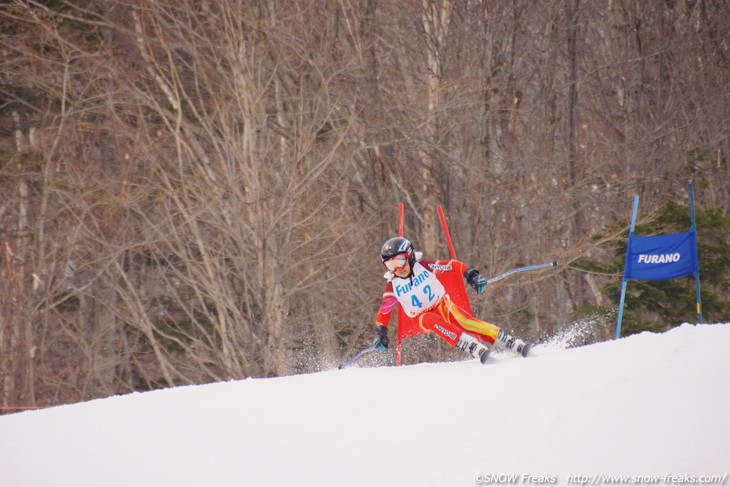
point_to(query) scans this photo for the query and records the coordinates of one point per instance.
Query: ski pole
(520, 269)
(357, 356)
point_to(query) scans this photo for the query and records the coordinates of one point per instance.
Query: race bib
(419, 294)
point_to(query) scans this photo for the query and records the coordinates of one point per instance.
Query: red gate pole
(446, 231)
(400, 220)
(399, 340)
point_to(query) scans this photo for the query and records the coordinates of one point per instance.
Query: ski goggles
(396, 262)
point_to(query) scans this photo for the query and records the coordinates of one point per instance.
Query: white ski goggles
(396, 262)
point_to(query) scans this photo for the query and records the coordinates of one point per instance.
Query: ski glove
(381, 338)
(475, 280)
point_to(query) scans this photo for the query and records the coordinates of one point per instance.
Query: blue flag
(661, 257)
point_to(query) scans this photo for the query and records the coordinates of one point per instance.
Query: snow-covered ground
(652, 407)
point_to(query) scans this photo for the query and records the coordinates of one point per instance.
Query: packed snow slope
(653, 405)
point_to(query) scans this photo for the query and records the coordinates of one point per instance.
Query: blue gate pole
(698, 298)
(620, 309)
(619, 318)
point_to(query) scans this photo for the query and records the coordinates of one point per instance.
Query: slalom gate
(452, 282)
(661, 257)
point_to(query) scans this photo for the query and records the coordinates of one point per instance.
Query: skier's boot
(470, 344)
(505, 341)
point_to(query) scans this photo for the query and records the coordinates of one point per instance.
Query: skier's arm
(439, 266)
(386, 306)
(472, 276)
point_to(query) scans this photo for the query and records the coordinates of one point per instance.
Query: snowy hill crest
(650, 406)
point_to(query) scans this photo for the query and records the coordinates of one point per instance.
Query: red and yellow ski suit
(427, 302)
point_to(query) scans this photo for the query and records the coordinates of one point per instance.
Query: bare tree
(194, 191)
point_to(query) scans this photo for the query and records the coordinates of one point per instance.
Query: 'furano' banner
(661, 257)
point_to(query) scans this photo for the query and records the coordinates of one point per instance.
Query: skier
(413, 285)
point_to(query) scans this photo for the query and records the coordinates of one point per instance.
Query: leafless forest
(195, 191)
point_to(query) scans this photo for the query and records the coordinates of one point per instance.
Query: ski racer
(413, 285)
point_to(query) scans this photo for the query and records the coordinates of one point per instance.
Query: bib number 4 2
(416, 303)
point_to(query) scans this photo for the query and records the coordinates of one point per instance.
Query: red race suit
(424, 298)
